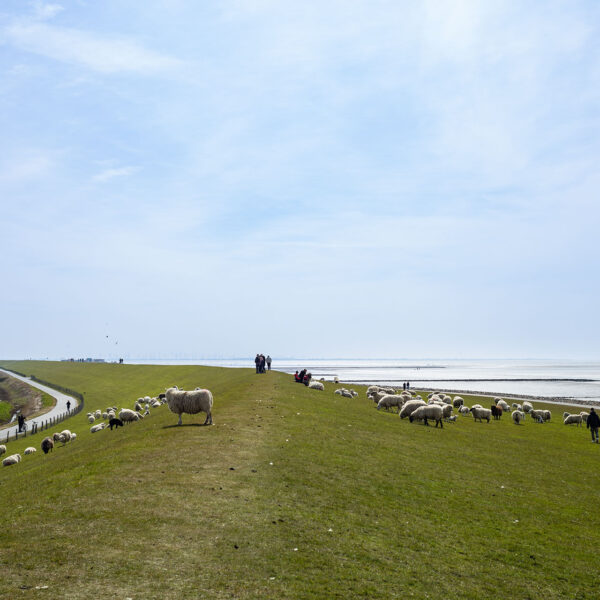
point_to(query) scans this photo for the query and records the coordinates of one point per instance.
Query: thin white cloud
(44, 10)
(102, 54)
(109, 174)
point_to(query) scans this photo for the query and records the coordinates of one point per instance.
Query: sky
(315, 179)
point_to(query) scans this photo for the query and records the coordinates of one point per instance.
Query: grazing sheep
(58, 437)
(390, 400)
(527, 407)
(537, 415)
(128, 416)
(410, 407)
(66, 435)
(496, 411)
(30, 450)
(316, 385)
(2, 449)
(47, 445)
(584, 416)
(476, 406)
(504, 405)
(457, 402)
(73, 436)
(372, 389)
(97, 428)
(547, 415)
(91, 419)
(156, 404)
(105, 415)
(573, 419)
(137, 407)
(481, 413)
(447, 410)
(429, 411)
(354, 393)
(13, 459)
(464, 410)
(343, 392)
(190, 403)
(517, 416)
(98, 414)
(116, 423)
(565, 415)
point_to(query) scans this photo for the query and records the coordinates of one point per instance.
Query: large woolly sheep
(496, 411)
(13, 459)
(547, 415)
(573, 419)
(47, 445)
(503, 404)
(30, 450)
(527, 407)
(2, 449)
(390, 400)
(410, 406)
(190, 403)
(66, 435)
(447, 410)
(517, 416)
(457, 402)
(481, 413)
(316, 385)
(128, 416)
(429, 411)
(537, 415)
(372, 389)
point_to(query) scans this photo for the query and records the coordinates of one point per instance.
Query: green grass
(5, 411)
(153, 511)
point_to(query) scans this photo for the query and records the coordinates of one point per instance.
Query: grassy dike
(356, 502)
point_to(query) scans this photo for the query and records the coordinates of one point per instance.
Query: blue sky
(359, 179)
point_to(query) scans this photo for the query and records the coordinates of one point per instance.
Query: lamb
(2, 449)
(390, 400)
(128, 416)
(316, 385)
(410, 407)
(116, 423)
(30, 450)
(137, 407)
(13, 459)
(429, 411)
(47, 445)
(481, 413)
(573, 419)
(91, 419)
(464, 410)
(190, 403)
(517, 416)
(451, 419)
(527, 407)
(97, 428)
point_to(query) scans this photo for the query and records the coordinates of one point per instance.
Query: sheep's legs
(208, 419)
(179, 420)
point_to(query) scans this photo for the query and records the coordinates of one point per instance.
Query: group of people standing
(302, 377)
(260, 361)
(406, 385)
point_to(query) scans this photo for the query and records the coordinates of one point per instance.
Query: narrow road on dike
(58, 409)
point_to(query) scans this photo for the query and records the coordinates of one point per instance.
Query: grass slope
(355, 504)
(16, 395)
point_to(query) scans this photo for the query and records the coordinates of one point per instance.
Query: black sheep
(116, 422)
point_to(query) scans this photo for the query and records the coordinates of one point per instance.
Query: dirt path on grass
(59, 408)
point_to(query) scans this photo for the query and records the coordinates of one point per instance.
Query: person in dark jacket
(257, 363)
(593, 422)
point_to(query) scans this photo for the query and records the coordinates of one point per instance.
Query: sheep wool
(390, 400)
(517, 416)
(47, 445)
(481, 413)
(191, 403)
(2, 449)
(128, 416)
(97, 428)
(29, 450)
(410, 406)
(13, 459)
(316, 385)
(429, 411)
(573, 419)
(527, 407)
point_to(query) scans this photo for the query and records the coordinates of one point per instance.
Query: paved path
(59, 408)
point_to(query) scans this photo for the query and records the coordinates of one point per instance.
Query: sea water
(571, 379)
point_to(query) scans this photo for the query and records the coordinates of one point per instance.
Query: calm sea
(545, 378)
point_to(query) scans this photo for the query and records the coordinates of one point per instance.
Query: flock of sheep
(178, 401)
(439, 407)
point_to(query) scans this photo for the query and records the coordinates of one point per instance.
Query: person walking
(593, 422)
(21, 421)
(268, 362)
(68, 406)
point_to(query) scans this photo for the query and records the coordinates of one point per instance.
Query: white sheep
(517, 416)
(584, 416)
(2, 449)
(190, 403)
(547, 415)
(503, 405)
(30, 450)
(527, 407)
(91, 419)
(410, 406)
(98, 414)
(343, 392)
(316, 385)
(429, 411)
(565, 415)
(481, 413)
(464, 410)
(537, 415)
(372, 389)
(390, 400)
(73, 436)
(156, 404)
(573, 419)
(98, 427)
(137, 407)
(354, 393)
(128, 416)
(13, 459)
(457, 402)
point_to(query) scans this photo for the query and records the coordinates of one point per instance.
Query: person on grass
(593, 422)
